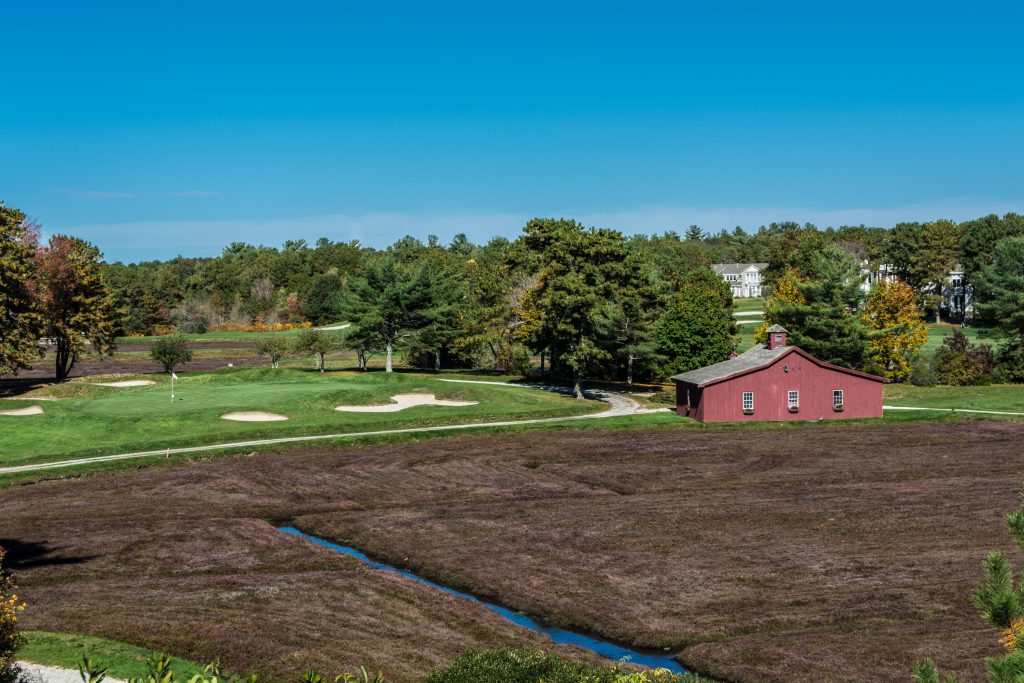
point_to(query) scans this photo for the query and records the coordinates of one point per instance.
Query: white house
(743, 278)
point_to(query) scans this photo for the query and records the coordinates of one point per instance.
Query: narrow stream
(558, 635)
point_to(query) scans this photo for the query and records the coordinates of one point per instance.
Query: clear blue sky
(153, 128)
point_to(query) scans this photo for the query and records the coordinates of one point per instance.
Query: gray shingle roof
(735, 268)
(777, 328)
(756, 357)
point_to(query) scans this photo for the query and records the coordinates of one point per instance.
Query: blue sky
(155, 129)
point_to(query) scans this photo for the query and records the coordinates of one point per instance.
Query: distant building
(884, 273)
(957, 295)
(776, 382)
(743, 278)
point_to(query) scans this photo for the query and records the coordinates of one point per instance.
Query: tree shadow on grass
(30, 554)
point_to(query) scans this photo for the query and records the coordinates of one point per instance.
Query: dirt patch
(838, 553)
(403, 401)
(253, 416)
(23, 412)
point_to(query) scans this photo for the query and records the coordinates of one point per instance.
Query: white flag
(173, 376)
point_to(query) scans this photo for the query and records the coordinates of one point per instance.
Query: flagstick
(172, 387)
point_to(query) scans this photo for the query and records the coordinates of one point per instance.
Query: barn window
(794, 399)
(837, 398)
(748, 400)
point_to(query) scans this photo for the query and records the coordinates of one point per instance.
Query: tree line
(583, 302)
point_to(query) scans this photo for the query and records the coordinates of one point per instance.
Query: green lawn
(938, 332)
(94, 420)
(747, 305)
(1008, 397)
(122, 660)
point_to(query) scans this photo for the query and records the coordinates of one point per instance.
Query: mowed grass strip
(999, 397)
(96, 420)
(831, 552)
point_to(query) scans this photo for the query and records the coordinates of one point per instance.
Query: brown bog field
(825, 553)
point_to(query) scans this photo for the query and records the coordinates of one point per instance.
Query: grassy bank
(122, 660)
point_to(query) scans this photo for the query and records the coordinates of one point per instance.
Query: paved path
(954, 410)
(619, 406)
(40, 673)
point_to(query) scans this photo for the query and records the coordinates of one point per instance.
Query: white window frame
(793, 398)
(837, 394)
(748, 395)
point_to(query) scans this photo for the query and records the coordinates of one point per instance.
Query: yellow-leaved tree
(786, 292)
(10, 638)
(899, 332)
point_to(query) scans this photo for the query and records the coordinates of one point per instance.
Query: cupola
(777, 336)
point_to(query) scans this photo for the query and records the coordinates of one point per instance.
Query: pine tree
(580, 273)
(1000, 601)
(826, 324)
(1003, 287)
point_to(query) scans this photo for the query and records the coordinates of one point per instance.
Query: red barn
(777, 382)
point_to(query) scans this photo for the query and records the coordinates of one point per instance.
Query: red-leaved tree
(77, 305)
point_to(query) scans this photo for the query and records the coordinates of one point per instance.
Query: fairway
(98, 420)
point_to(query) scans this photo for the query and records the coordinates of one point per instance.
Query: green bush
(1010, 364)
(170, 352)
(923, 374)
(509, 665)
(958, 362)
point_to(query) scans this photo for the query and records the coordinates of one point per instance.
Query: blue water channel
(558, 635)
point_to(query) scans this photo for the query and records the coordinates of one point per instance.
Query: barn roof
(756, 358)
(751, 359)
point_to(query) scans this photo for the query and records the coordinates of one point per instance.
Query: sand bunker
(126, 383)
(21, 412)
(253, 416)
(403, 401)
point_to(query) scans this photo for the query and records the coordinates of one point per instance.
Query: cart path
(54, 674)
(955, 410)
(619, 406)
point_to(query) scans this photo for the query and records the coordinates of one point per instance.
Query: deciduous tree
(318, 344)
(170, 352)
(273, 346)
(891, 311)
(77, 304)
(923, 254)
(696, 328)
(21, 323)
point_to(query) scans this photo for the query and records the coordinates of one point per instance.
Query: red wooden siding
(722, 401)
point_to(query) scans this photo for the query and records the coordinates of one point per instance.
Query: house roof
(777, 328)
(753, 359)
(735, 268)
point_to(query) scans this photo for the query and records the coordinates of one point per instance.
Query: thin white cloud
(188, 193)
(97, 194)
(166, 239)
